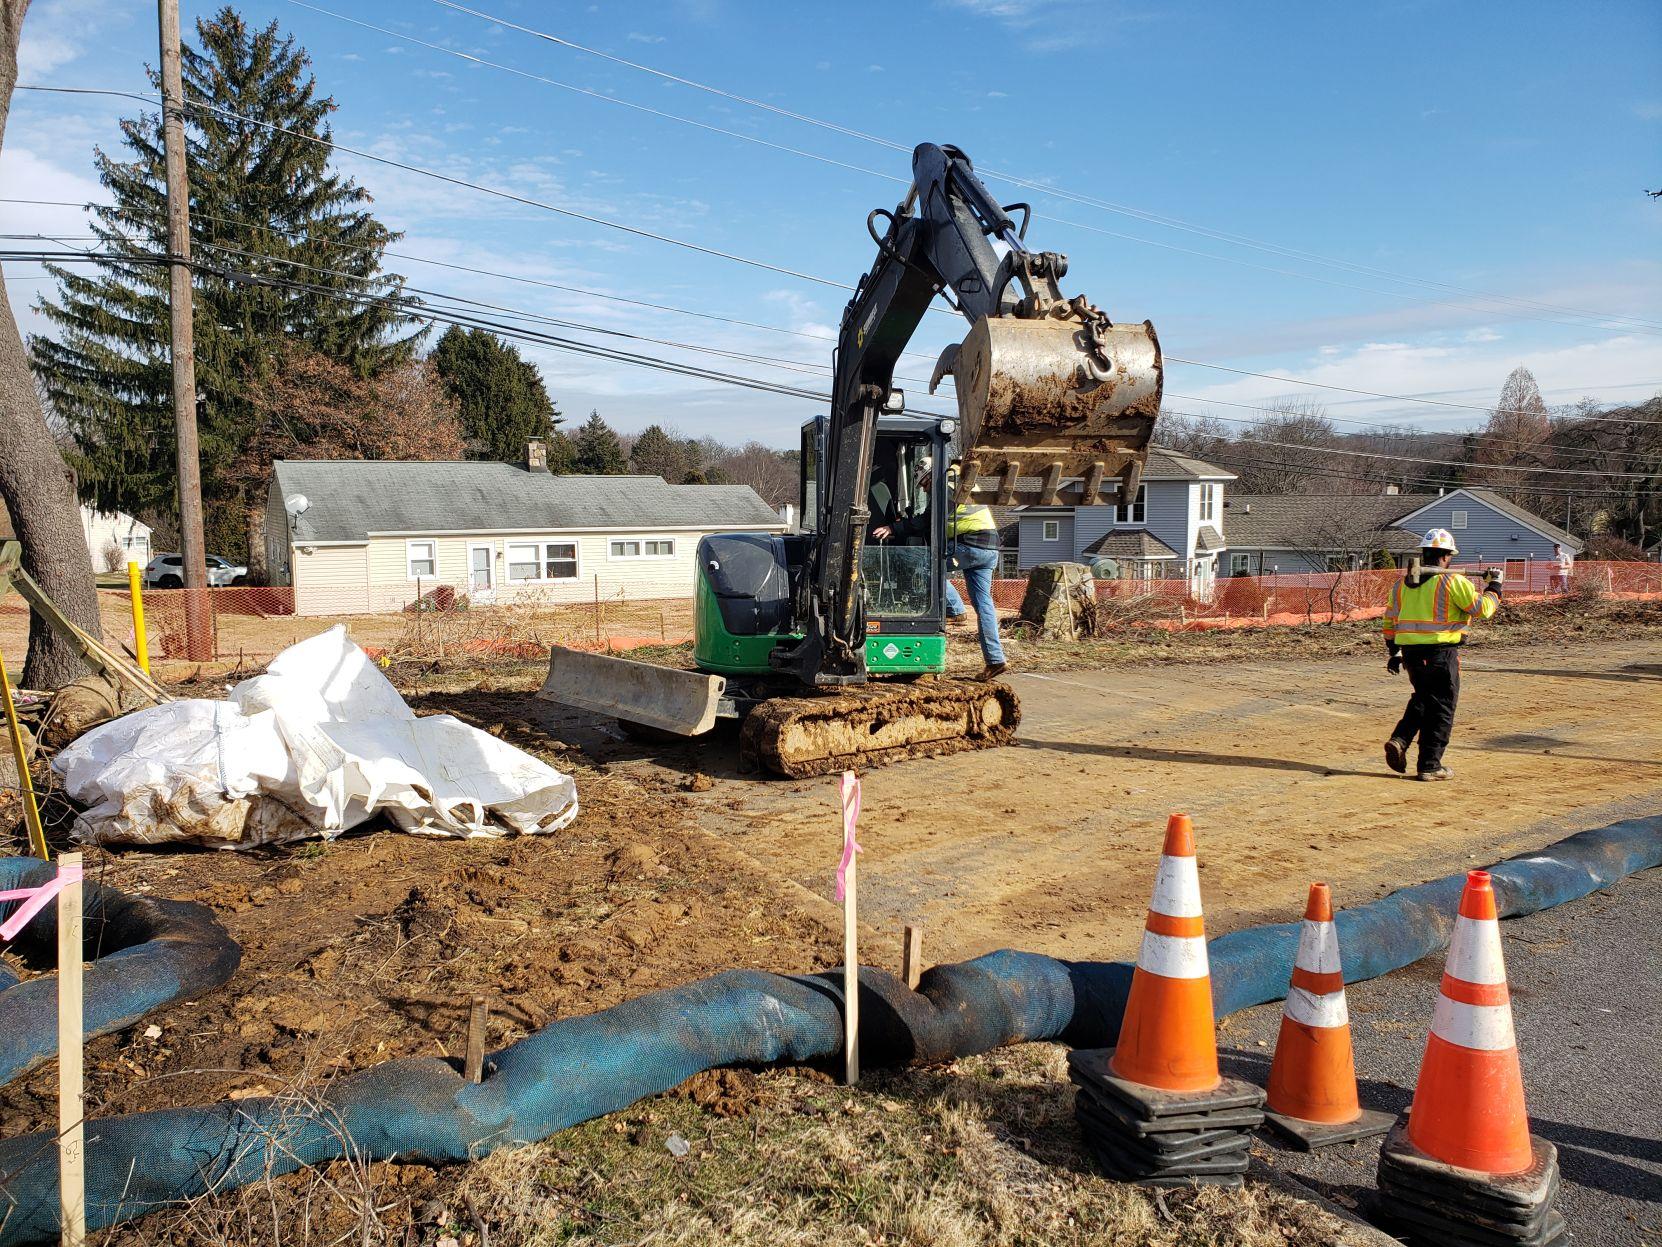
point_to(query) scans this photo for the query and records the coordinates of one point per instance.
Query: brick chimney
(536, 455)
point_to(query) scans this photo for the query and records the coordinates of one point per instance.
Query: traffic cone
(1469, 1102)
(1312, 1087)
(1167, 1037)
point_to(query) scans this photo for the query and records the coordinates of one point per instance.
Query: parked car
(167, 571)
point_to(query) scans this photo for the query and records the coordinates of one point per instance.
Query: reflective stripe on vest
(1423, 614)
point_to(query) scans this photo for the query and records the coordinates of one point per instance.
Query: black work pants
(1434, 671)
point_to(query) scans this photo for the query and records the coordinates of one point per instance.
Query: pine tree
(659, 453)
(263, 201)
(501, 394)
(595, 449)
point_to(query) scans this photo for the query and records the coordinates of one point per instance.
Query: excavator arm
(1050, 391)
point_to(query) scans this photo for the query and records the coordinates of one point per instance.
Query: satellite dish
(297, 504)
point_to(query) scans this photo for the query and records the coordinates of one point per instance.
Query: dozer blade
(877, 724)
(1044, 423)
(683, 702)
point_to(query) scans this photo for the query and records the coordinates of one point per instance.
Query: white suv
(167, 571)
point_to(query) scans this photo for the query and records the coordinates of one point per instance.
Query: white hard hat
(926, 467)
(1439, 539)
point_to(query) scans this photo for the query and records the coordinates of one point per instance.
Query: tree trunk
(258, 572)
(33, 480)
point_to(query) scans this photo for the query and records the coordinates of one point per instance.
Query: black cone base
(1307, 1136)
(1163, 1138)
(1433, 1203)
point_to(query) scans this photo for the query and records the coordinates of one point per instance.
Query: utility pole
(198, 610)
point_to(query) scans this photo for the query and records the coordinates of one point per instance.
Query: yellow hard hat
(1439, 539)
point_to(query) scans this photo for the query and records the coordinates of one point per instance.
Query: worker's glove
(1393, 664)
(1493, 578)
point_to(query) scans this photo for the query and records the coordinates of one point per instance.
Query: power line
(842, 164)
(526, 200)
(1042, 186)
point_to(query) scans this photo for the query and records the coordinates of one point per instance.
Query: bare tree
(33, 480)
(1345, 537)
(771, 473)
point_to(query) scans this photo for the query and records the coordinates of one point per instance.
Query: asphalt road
(1586, 982)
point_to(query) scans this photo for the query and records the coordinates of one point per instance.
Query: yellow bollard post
(31, 811)
(141, 641)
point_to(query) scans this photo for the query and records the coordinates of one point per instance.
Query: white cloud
(1650, 110)
(58, 31)
(635, 36)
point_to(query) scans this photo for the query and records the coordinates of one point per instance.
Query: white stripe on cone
(1474, 954)
(1177, 888)
(1485, 1027)
(1174, 956)
(1318, 948)
(1314, 1010)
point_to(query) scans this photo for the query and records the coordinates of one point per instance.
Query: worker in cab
(1425, 626)
(972, 549)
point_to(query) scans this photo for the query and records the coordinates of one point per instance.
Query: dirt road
(1049, 845)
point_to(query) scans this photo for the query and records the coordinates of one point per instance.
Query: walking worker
(972, 547)
(1425, 625)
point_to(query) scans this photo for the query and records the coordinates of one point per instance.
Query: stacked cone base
(1429, 1202)
(1163, 1138)
(1307, 1136)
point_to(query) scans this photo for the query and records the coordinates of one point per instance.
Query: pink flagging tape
(36, 899)
(851, 816)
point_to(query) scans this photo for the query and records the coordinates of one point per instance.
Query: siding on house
(331, 580)
(1487, 535)
(1034, 549)
(277, 554)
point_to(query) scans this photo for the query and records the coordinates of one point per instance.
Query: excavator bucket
(1053, 413)
(686, 703)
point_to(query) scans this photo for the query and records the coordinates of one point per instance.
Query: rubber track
(868, 726)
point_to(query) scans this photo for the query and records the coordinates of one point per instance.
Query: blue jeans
(978, 566)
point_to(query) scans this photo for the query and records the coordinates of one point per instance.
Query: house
(114, 539)
(1323, 532)
(1173, 529)
(366, 536)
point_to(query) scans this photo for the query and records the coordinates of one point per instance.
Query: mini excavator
(829, 648)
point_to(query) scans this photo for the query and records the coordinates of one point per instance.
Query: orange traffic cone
(1469, 1102)
(1167, 1038)
(1312, 1087)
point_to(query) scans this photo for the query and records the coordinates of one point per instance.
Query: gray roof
(1131, 543)
(1296, 521)
(352, 498)
(1527, 518)
(1008, 520)
(1208, 540)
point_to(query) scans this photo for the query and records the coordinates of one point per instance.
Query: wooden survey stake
(847, 874)
(911, 957)
(72, 1183)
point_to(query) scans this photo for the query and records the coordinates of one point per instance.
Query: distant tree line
(1519, 452)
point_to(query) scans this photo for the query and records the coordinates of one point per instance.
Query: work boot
(1436, 773)
(1396, 755)
(992, 671)
(959, 623)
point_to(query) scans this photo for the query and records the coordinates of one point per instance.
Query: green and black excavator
(832, 649)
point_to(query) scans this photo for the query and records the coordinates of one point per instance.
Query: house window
(1457, 519)
(1053, 530)
(1137, 512)
(421, 558)
(661, 548)
(1240, 564)
(542, 560)
(1208, 503)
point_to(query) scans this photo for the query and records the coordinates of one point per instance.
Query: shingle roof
(1208, 540)
(1527, 518)
(1008, 520)
(1131, 543)
(352, 498)
(1296, 521)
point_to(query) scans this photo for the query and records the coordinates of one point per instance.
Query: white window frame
(1137, 513)
(613, 555)
(432, 545)
(1240, 564)
(1458, 519)
(1051, 531)
(1208, 502)
(541, 546)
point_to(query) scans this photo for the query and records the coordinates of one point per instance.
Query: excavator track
(876, 724)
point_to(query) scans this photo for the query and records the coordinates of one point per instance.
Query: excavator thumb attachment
(686, 703)
(1055, 410)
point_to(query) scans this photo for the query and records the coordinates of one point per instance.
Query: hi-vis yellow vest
(970, 518)
(1436, 611)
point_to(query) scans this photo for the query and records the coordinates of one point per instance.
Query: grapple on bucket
(1056, 409)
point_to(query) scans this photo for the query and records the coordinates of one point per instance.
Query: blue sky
(1501, 148)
